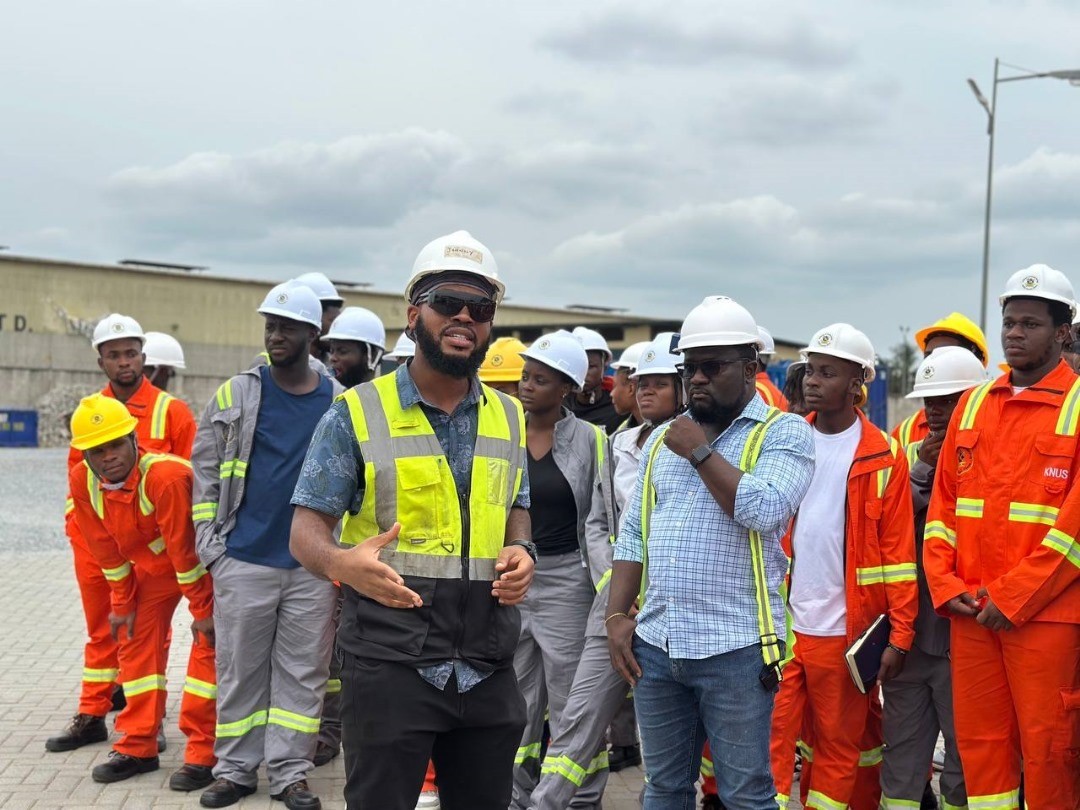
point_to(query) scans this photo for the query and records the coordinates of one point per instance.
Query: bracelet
(894, 647)
(612, 616)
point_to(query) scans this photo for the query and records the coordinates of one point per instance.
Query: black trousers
(393, 722)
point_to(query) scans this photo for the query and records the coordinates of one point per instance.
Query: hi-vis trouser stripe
(193, 686)
(142, 685)
(233, 468)
(207, 510)
(194, 575)
(1009, 800)
(939, 531)
(888, 803)
(160, 415)
(239, 728)
(571, 771)
(1064, 544)
(969, 507)
(885, 574)
(224, 395)
(816, 800)
(118, 573)
(527, 752)
(292, 720)
(99, 675)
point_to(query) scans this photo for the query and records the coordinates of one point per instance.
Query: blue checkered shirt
(700, 598)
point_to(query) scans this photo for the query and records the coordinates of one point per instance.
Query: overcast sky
(816, 161)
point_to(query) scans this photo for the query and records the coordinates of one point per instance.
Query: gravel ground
(33, 485)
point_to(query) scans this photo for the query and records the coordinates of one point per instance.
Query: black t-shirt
(602, 412)
(553, 512)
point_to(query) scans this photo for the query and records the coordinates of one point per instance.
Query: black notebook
(864, 655)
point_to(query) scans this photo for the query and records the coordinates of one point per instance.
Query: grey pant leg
(623, 733)
(529, 669)
(911, 729)
(574, 773)
(330, 727)
(245, 621)
(300, 666)
(953, 789)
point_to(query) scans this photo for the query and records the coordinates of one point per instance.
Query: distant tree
(903, 359)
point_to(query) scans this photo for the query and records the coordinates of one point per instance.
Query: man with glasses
(717, 491)
(427, 466)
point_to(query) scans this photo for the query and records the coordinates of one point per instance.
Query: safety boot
(298, 796)
(82, 730)
(122, 766)
(191, 777)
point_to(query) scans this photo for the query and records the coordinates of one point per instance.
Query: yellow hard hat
(503, 362)
(956, 324)
(100, 419)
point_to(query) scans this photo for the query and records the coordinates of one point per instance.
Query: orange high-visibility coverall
(143, 540)
(910, 432)
(1004, 516)
(770, 393)
(166, 425)
(817, 694)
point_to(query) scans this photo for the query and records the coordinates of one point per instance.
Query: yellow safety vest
(407, 479)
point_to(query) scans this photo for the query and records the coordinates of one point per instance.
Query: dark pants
(394, 721)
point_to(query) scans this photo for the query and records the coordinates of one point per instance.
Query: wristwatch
(528, 545)
(699, 455)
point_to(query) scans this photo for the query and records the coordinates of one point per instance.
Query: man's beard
(712, 414)
(446, 364)
(355, 375)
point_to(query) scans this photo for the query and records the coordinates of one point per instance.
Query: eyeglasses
(481, 309)
(710, 368)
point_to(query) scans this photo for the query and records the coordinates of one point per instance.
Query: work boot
(82, 730)
(162, 743)
(223, 793)
(623, 756)
(121, 767)
(298, 796)
(119, 701)
(191, 777)
(324, 752)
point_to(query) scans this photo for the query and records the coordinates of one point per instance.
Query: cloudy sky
(816, 161)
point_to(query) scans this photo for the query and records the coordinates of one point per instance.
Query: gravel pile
(54, 413)
(33, 485)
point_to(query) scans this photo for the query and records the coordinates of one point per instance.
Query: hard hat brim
(869, 372)
(106, 435)
(291, 316)
(942, 389)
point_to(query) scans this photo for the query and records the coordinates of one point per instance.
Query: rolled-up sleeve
(331, 479)
(768, 497)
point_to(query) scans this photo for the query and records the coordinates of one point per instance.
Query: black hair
(970, 345)
(1060, 312)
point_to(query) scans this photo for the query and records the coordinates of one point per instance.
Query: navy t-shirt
(282, 434)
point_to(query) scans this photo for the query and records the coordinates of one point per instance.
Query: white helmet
(117, 327)
(768, 345)
(593, 341)
(456, 252)
(658, 357)
(323, 287)
(563, 352)
(718, 321)
(163, 350)
(405, 347)
(947, 370)
(357, 323)
(846, 342)
(1040, 281)
(631, 355)
(294, 301)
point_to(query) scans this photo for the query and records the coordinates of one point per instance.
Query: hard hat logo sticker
(118, 327)
(97, 419)
(928, 372)
(650, 356)
(544, 344)
(497, 360)
(1030, 282)
(282, 298)
(825, 339)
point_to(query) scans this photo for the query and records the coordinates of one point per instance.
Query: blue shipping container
(18, 428)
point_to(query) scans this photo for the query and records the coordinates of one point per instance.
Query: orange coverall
(817, 695)
(143, 540)
(770, 393)
(912, 430)
(1004, 516)
(166, 425)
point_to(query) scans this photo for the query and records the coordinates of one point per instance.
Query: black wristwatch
(699, 455)
(528, 545)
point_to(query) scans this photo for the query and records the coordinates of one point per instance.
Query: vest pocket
(498, 485)
(418, 480)
(1051, 463)
(402, 629)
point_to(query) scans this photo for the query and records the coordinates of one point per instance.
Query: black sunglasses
(481, 309)
(710, 368)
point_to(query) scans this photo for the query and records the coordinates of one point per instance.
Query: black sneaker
(324, 752)
(191, 777)
(121, 767)
(82, 730)
(298, 796)
(223, 793)
(119, 701)
(623, 756)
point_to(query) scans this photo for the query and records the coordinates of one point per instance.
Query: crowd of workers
(456, 572)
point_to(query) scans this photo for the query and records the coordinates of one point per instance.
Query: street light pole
(1073, 77)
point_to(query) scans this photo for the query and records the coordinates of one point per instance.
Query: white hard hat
(1040, 281)
(163, 350)
(405, 347)
(117, 327)
(294, 301)
(846, 342)
(563, 352)
(947, 370)
(357, 323)
(456, 252)
(323, 287)
(658, 357)
(593, 341)
(630, 355)
(718, 321)
(768, 345)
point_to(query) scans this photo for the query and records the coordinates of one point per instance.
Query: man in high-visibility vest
(1002, 559)
(430, 464)
(766, 389)
(164, 425)
(133, 509)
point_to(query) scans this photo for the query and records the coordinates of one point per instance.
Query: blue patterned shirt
(700, 597)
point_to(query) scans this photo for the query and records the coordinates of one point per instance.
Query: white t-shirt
(818, 596)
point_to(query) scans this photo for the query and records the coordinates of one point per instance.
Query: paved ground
(41, 638)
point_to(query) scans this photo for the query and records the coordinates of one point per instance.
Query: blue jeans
(681, 702)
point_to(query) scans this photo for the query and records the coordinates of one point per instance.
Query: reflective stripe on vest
(412, 484)
(159, 417)
(224, 395)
